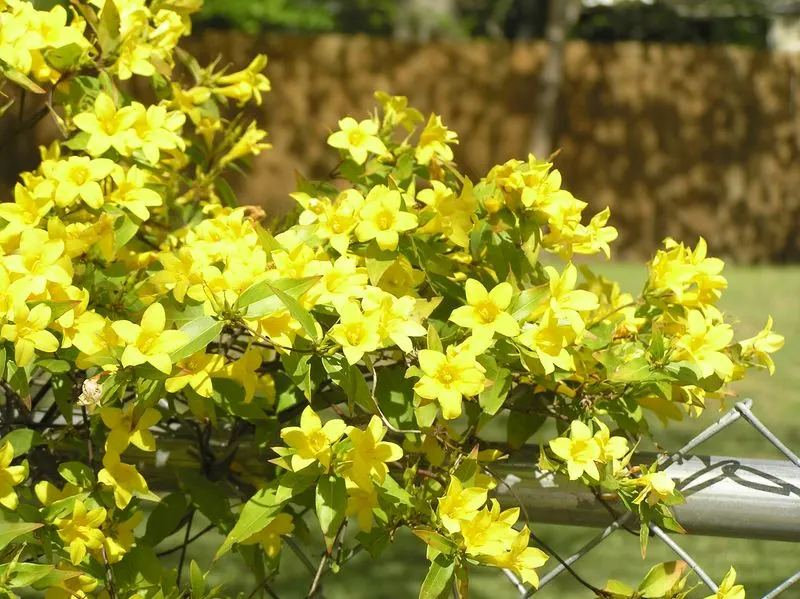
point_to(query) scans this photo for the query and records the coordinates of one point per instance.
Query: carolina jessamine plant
(164, 355)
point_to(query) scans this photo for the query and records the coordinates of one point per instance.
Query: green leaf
(462, 581)
(395, 396)
(197, 580)
(351, 380)
(528, 301)
(54, 366)
(268, 242)
(22, 575)
(165, 518)
(226, 193)
(644, 536)
(199, 333)
(62, 507)
(298, 312)
(256, 514)
(521, 426)
(20, 79)
(17, 379)
(124, 228)
(64, 58)
(260, 299)
(434, 341)
(330, 502)
(492, 397)
(78, 474)
(426, 414)
(12, 530)
(633, 371)
(22, 439)
(108, 28)
(662, 579)
(291, 484)
(437, 581)
(378, 262)
(433, 539)
(207, 496)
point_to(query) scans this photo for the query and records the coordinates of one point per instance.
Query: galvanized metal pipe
(725, 497)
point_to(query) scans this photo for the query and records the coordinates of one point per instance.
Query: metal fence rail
(725, 497)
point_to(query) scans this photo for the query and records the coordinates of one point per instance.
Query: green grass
(753, 293)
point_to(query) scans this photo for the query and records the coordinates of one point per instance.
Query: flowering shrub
(346, 364)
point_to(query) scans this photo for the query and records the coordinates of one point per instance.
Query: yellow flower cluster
(487, 534)
(360, 456)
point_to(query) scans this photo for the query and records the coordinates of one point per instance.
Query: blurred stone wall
(679, 141)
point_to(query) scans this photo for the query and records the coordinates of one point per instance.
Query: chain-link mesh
(740, 411)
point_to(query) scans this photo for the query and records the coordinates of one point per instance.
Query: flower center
(356, 138)
(385, 220)
(317, 441)
(487, 311)
(447, 375)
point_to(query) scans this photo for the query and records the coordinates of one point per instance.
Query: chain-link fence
(741, 410)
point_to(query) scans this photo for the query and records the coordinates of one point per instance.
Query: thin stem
(189, 542)
(184, 546)
(264, 585)
(324, 561)
(597, 591)
(112, 593)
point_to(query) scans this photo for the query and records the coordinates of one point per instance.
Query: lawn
(753, 294)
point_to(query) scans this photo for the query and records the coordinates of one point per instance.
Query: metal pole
(725, 497)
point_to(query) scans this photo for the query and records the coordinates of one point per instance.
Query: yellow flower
(611, 448)
(401, 278)
(459, 504)
(244, 371)
(728, 589)
(485, 312)
(448, 377)
(38, 263)
(120, 538)
(367, 460)
(72, 588)
(657, 486)
(396, 111)
(452, 216)
(108, 127)
(565, 301)
(361, 503)
(357, 138)
(79, 177)
(248, 143)
(123, 478)
(10, 476)
(703, 344)
(489, 533)
(270, 536)
(47, 493)
(132, 194)
(129, 426)
(521, 559)
(340, 282)
(27, 210)
(580, 451)
(28, 333)
(382, 219)
(762, 345)
(434, 142)
(549, 340)
(356, 333)
(339, 220)
(395, 317)
(196, 371)
(245, 84)
(82, 531)
(157, 129)
(148, 341)
(312, 441)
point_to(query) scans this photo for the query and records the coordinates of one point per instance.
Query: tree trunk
(562, 15)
